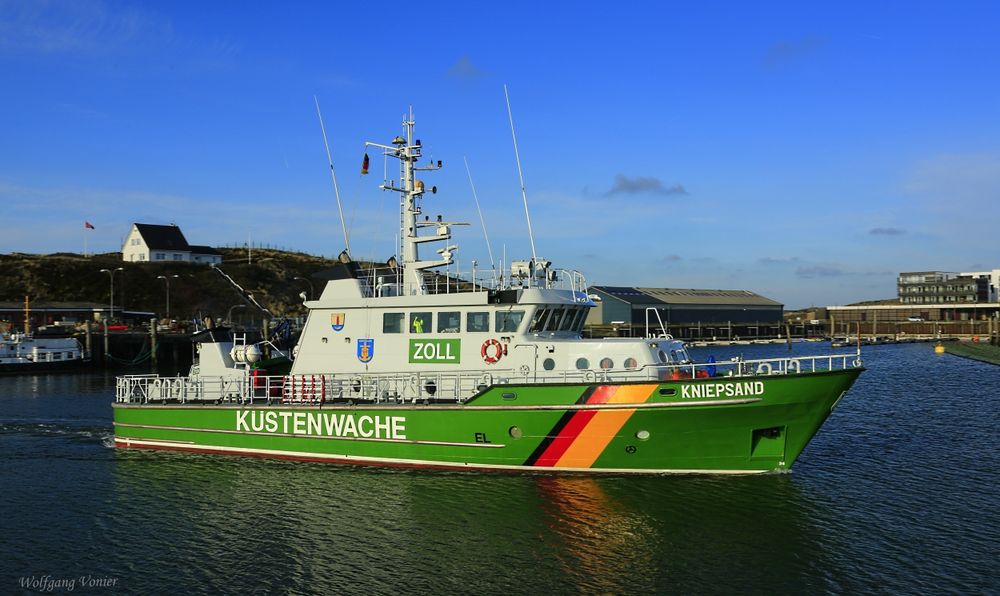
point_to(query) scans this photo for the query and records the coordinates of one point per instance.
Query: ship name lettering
(740, 389)
(319, 424)
(432, 351)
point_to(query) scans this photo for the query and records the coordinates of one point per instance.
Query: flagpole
(85, 240)
(520, 175)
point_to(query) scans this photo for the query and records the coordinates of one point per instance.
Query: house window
(160, 256)
(178, 257)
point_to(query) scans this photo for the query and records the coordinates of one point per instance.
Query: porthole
(548, 364)
(631, 363)
(662, 356)
(582, 363)
(515, 432)
(607, 363)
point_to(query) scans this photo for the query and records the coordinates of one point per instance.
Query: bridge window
(392, 322)
(509, 320)
(569, 320)
(555, 319)
(420, 322)
(449, 322)
(538, 322)
(582, 363)
(607, 363)
(477, 322)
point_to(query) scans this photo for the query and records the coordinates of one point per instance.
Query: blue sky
(805, 151)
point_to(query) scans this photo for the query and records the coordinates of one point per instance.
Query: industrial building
(685, 313)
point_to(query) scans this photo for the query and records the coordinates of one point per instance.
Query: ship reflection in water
(307, 527)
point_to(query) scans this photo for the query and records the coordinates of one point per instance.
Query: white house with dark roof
(161, 244)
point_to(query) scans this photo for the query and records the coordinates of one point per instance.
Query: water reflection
(308, 526)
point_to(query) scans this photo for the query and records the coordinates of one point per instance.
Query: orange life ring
(498, 351)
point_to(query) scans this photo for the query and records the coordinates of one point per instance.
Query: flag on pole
(364, 165)
(88, 226)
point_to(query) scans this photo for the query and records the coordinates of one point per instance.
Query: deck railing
(437, 386)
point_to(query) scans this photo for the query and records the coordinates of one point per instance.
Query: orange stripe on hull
(603, 427)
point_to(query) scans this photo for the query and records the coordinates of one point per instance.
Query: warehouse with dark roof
(686, 313)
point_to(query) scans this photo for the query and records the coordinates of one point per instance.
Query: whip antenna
(333, 176)
(489, 248)
(520, 175)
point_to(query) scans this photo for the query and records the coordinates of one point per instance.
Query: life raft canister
(492, 351)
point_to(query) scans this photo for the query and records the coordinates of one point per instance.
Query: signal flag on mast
(88, 226)
(364, 165)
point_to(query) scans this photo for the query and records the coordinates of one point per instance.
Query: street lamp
(229, 317)
(311, 291)
(166, 278)
(111, 274)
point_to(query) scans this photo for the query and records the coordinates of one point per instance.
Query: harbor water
(898, 493)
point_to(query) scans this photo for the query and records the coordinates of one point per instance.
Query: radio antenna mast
(520, 175)
(489, 248)
(333, 176)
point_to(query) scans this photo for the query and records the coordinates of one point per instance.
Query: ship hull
(717, 425)
(41, 367)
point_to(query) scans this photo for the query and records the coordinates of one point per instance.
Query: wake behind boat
(396, 369)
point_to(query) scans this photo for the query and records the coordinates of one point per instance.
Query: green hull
(718, 425)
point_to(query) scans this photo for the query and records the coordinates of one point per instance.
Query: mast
(408, 151)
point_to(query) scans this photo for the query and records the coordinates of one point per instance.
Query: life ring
(794, 365)
(498, 351)
(764, 369)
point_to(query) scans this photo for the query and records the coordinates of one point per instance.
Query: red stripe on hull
(569, 434)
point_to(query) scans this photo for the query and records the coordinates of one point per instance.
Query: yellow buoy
(939, 349)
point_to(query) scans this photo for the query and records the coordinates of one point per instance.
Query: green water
(896, 494)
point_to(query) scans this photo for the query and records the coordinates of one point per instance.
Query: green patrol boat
(399, 367)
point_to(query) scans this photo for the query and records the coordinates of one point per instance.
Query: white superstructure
(403, 318)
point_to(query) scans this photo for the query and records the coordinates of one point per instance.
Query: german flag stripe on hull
(580, 436)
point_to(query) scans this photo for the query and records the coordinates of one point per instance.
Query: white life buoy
(764, 368)
(794, 364)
